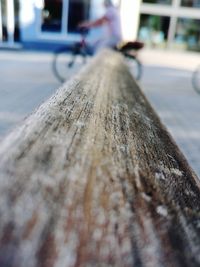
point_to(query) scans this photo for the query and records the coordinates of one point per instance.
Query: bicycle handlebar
(83, 30)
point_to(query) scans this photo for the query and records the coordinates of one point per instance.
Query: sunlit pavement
(26, 80)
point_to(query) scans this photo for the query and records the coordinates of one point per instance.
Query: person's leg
(90, 49)
(108, 42)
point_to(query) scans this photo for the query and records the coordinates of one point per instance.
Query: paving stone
(168, 87)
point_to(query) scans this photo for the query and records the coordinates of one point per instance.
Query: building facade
(160, 23)
(170, 23)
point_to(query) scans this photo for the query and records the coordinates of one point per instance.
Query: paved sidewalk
(26, 80)
(167, 84)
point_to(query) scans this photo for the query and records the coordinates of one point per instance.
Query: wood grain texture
(92, 178)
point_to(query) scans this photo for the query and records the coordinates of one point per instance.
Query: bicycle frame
(83, 49)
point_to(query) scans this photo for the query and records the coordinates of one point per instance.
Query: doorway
(9, 22)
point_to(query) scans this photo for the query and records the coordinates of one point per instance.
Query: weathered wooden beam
(92, 178)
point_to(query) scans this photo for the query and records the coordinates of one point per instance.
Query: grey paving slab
(26, 81)
(167, 84)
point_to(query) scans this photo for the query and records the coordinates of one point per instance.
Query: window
(16, 14)
(54, 18)
(78, 12)
(153, 30)
(4, 16)
(4, 23)
(162, 2)
(188, 33)
(52, 15)
(190, 3)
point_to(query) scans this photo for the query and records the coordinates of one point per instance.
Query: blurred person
(111, 19)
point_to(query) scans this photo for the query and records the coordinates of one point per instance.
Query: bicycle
(80, 51)
(196, 79)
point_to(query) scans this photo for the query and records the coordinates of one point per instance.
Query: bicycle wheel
(66, 64)
(135, 66)
(196, 80)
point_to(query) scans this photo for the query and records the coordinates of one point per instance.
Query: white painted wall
(130, 11)
(10, 21)
(27, 16)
